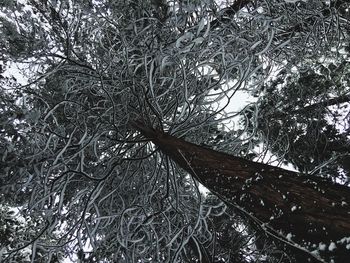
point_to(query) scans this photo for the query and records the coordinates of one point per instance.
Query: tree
(286, 201)
(304, 118)
(69, 152)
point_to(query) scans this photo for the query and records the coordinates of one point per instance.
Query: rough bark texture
(312, 210)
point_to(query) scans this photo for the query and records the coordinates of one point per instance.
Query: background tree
(304, 117)
(71, 156)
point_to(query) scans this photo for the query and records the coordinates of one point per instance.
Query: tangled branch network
(92, 181)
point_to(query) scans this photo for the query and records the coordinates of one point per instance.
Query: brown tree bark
(311, 209)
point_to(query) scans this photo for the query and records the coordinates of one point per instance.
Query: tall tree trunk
(306, 208)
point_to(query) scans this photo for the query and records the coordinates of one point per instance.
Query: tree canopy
(76, 76)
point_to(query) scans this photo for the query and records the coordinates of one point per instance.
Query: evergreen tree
(91, 186)
(304, 117)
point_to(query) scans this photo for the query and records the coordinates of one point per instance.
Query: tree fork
(305, 208)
